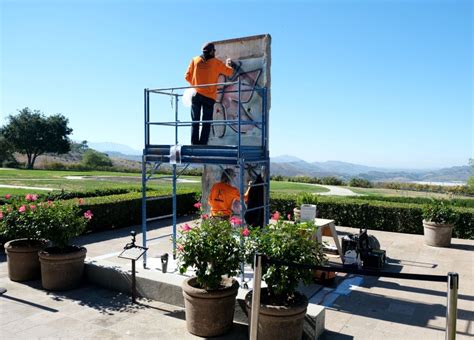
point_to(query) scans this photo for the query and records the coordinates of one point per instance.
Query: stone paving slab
(376, 308)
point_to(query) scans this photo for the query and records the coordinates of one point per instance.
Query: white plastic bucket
(308, 212)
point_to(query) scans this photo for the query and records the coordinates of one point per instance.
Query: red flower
(180, 247)
(205, 216)
(22, 209)
(245, 232)
(88, 214)
(32, 207)
(186, 227)
(276, 216)
(197, 205)
(50, 202)
(8, 196)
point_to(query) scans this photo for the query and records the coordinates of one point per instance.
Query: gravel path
(337, 191)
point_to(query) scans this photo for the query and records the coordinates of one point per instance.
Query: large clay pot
(279, 322)
(209, 312)
(62, 269)
(437, 234)
(22, 257)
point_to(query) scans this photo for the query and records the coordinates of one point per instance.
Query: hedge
(375, 215)
(117, 211)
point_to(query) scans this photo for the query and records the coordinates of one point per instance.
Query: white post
(257, 281)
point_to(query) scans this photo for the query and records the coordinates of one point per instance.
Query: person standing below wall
(205, 69)
(223, 196)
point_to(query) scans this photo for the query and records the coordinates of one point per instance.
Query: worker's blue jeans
(207, 104)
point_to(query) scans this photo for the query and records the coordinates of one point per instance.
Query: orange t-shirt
(221, 197)
(201, 72)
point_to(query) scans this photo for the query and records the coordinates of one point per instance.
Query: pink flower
(1, 215)
(205, 216)
(186, 227)
(245, 232)
(31, 197)
(22, 209)
(180, 247)
(197, 205)
(289, 217)
(50, 202)
(88, 214)
(8, 196)
(80, 201)
(235, 221)
(32, 206)
(276, 216)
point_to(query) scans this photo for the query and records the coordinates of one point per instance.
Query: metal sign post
(133, 252)
(452, 308)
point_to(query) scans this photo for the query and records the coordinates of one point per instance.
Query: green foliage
(118, 211)
(439, 211)
(470, 181)
(28, 218)
(6, 153)
(455, 190)
(306, 198)
(360, 183)
(455, 202)
(285, 241)
(331, 180)
(376, 215)
(93, 159)
(33, 134)
(212, 249)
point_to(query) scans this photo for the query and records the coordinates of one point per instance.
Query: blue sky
(383, 83)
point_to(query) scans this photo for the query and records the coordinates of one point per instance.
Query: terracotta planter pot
(437, 234)
(22, 257)
(209, 313)
(62, 270)
(279, 322)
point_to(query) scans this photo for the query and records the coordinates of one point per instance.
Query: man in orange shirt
(223, 195)
(205, 69)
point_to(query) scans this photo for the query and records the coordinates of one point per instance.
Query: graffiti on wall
(250, 73)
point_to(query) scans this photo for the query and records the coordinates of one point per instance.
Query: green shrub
(117, 211)
(360, 183)
(94, 159)
(376, 215)
(439, 211)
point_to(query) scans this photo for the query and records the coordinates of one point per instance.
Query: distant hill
(108, 148)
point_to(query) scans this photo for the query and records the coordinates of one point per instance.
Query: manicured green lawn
(93, 180)
(402, 193)
(295, 188)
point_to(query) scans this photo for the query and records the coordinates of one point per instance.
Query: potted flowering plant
(212, 248)
(24, 235)
(62, 264)
(283, 308)
(438, 223)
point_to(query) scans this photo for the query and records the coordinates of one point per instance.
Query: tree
(6, 154)
(94, 159)
(33, 134)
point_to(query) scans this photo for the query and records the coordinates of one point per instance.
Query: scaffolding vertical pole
(265, 130)
(451, 309)
(174, 176)
(146, 100)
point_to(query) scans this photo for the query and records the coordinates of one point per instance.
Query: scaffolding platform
(207, 154)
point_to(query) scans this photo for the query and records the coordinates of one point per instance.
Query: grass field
(92, 180)
(402, 193)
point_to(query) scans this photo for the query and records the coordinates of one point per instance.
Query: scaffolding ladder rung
(151, 219)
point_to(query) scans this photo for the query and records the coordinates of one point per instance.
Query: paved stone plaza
(356, 308)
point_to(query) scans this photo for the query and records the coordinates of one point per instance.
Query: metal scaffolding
(237, 155)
